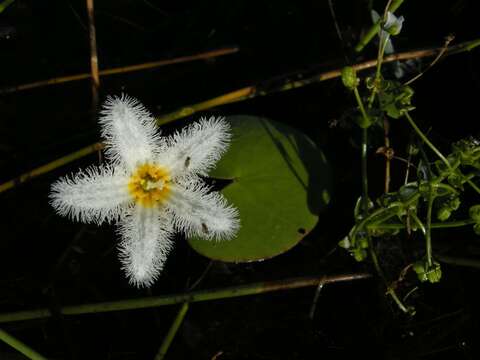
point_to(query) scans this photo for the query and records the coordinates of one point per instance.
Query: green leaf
(280, 181)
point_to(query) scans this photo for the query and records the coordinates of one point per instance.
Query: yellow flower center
(149, 185)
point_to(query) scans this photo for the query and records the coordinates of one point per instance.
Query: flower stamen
(149, 185)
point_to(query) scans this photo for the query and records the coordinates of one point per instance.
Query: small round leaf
(280, 181)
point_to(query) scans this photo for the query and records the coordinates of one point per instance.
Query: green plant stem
(371, 249)
(364, 152)
(399, 302)
(193, 296)
(375, 28)
(426, 141)
(453, 260)
(472, 184)
(428, 234)
(419, 223)
(378, 72)
(469, 178)
(381, 53)
(472, 45)
(364, 171)
(4, 4)
(440, 225)
(172, 331)
(435, 150)
(449, 188)
(51, 166)
(360, 104)
(386, 212)
(20, 346)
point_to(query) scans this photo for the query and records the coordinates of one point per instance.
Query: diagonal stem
(172, 332)
(426, 141)
(20, 346)
(193, 296)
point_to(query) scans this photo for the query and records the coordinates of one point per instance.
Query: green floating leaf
(280, 181)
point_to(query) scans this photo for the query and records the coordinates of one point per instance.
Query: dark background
(48, 261)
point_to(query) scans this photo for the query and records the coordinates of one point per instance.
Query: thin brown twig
(93, 55)
(313, 307)
(337, 29)
(303, 80)
(121, 70)
(201, 277)
(448, 40)
(217, 355)
(403, 160)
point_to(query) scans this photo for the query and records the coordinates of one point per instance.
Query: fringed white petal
(146, 241)
(197, 211)
(196, 148)
(94, 195)
(129, 130)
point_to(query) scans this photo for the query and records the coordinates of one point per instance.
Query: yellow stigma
(149, 185)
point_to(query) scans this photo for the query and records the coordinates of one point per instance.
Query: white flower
(384, 36)
(151, 187)
(393, 25)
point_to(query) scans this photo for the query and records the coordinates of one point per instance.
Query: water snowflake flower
(151, 186)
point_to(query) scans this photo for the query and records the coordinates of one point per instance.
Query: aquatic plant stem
(426, 141)
(4, 4)
(448, 40)
(51, 166)
(172, 331)
(473, 185)
(378, 72)
(419, 222)
(360, 105)
(388, 154)
(365, 201)
(365, 171)
(439, 225)
(428, 229)
(364, 154)
(435, 150)
(453, 260)
(193, 296)
(20, 346)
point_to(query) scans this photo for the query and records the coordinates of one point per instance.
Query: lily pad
(280, 182)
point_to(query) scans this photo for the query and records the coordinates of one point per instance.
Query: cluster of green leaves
(438, 185)
(437, 188)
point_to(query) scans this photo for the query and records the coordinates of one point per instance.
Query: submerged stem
(172, 332)
(439, 225)
(426, 141)
(428, 233)
(365, 201)
(193, 296)
(20, 346)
